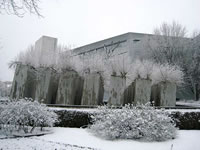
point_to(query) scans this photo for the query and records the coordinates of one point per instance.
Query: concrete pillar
(164, 94)
(70, 89)
(129, 94)
(23, 82)
(142, 91)
(46, 85)
(93, 90)
(117, 87)
(45, 47)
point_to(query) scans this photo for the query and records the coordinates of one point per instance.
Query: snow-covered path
(68, 138)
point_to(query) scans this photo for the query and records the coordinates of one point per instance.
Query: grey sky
(80, 22)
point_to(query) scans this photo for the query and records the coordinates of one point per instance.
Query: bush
(21, 114)
(133, 122)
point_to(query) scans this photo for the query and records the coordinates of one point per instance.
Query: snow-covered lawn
(192, 103)
(76, 139)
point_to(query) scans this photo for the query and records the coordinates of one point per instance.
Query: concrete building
(131, 44)
(45, 46)
(128, 43)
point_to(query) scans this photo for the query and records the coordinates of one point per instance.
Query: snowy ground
(76, 139)
(192, 103)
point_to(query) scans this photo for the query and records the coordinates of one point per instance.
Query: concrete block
(45, 47)
(46, 85)
(70, 89)
(116, 93)
(129, 94)
(46, 44)
(142, 91)
(93, 90)
(164, 94)
(23, 82)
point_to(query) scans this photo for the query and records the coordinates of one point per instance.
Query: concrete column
(46, 85)
(164, 94)
(45, 47)
(70, 89)
(129, 94)
(117, 87)
(142, 91)
(93, 90)
(23, 82)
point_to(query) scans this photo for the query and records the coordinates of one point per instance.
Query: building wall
(128, 43)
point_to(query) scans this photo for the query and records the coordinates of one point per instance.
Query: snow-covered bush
(23, 113)
(167, 73)
(133, 122)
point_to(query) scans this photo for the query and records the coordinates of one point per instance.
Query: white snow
(75, 139)
(74, 109)
(191, 103)
(183, 110)
(92, 110)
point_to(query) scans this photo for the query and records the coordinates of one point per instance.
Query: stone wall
(70, 89)
(164, 94)
(24, 82)
(117, 87)
(93, 90)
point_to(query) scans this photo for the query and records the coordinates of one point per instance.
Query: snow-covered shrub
(133, 122)
(167, 73)
(21, 114)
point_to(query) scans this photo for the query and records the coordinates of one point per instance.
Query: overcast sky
(80, 22)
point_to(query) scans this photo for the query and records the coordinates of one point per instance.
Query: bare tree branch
(20, 7)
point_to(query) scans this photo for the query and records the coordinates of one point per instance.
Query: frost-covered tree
(191, 66)
(142, 69)
(167, 44)
(119, 65)
(167, 73)
(66, 60)
(19, 7)
(60, 59)
(130, 122)
(94, 63)
(170, 45)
